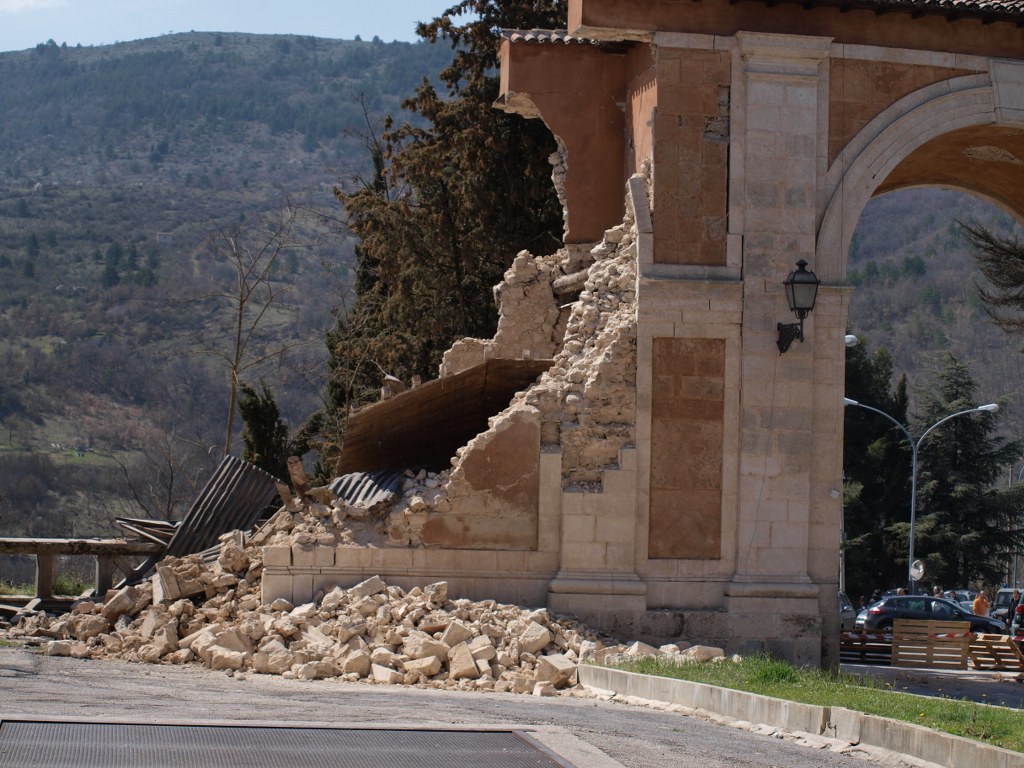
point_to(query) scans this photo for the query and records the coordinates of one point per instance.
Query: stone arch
(992, 100)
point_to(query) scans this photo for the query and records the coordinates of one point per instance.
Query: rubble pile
(374, 632)
(587, 399)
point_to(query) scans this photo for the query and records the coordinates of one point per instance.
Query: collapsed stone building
(632, 447)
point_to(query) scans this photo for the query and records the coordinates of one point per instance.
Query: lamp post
(914, 446)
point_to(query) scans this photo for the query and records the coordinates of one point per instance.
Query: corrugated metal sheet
(367, 489)
(232, 499)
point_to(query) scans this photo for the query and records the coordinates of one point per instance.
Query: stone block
(302, 587)
(220, 658)
(556, 669)
(534, 638)
(323, 557)
(303, 557)
(121, 603)
(427, 666)
(418, 645)
(461, 663)
(386, 675)
(456, 632)
(277, 556)
(357, 662)
(234, 639)
(482, 647)
(275, 586)
(370, 586)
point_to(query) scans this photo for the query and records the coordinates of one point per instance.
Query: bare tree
(248, 291)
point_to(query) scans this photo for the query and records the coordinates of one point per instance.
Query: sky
(25, 23)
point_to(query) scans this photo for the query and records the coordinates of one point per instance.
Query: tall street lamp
(914, 446)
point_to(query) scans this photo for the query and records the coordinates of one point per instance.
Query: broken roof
(424, 427)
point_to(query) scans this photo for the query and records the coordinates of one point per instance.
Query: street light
(801, 290)
(914, 445)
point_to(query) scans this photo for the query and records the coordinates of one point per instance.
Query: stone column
(777, 160)
(597, 580)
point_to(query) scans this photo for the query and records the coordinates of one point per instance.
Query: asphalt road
(998, 688)
(636, 737)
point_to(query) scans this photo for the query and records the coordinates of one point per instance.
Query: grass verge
(63, 584)
(998, 726)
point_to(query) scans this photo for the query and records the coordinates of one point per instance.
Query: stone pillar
(777, 161)
(597, 579)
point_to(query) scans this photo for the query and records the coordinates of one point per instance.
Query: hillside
(914, 292)
(122, 168)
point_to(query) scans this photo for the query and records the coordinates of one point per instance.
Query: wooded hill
(915, 293)
(117, 166)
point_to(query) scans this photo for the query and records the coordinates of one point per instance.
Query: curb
(834, 722)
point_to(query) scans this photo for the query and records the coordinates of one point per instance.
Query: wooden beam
(44, 575)
(104, 573)
(11, 546)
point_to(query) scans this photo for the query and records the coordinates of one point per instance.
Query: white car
(847, 613)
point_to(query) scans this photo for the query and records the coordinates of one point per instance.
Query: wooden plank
(160, 538)
(44, 575)
(865, 648)
(423, 427)
(11, 546)
(932, 644)
(104, 573)
(996, 652)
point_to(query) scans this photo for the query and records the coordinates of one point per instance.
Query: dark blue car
(880, 615)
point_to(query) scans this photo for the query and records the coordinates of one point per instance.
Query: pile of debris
(196, 612)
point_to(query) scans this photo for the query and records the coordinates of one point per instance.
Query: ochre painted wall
(687, 417)
(691, 156)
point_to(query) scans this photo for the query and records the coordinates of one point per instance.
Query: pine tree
(966, 526)
(452, 200)
(1001, 261)
(876, 471)
(265, 435)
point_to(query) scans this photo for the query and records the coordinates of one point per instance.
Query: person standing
(1011, 611)
(981, 604)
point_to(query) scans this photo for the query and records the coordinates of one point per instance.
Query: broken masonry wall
(584, 407)
(528, 317)
(587, 399)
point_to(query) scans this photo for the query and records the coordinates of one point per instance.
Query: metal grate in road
(27, 744)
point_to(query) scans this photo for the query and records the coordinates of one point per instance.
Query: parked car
(847, 613)
(964, 597)
(1000, 604)
(880, 615)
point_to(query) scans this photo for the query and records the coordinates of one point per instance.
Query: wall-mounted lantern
(801, 291)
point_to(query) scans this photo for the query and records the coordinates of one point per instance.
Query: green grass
(999, 726)
(10, 588)
(63, 584)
